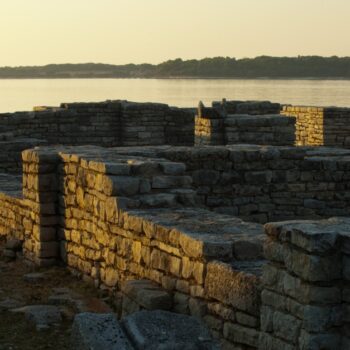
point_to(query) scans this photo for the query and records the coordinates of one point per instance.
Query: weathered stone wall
(156, 124)
(264, 183)
(14, 211)
(72, 124)
(247, 107)
(11, 151)
(107, 124)
(106, 220)
(317, 126)
(259, 130)
(306, 286)
(234, 122)
(309, 124)
(114, 216)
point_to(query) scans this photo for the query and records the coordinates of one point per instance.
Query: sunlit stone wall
(320, 126)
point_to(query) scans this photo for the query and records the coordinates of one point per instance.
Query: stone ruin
(238, 215)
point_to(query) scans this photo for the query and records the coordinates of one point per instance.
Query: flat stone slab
(160, 330)
(43, 316)
(9, 303)
(148, 295)
(98, 332)
(34, 278)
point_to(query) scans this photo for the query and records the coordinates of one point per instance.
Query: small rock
(43, 316)
(9, 303)
(34, 277)
(14, 244)
(165, 330)
(9, 254)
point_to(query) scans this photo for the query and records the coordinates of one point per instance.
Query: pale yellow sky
(36, 32)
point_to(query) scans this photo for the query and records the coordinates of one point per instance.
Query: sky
(38, 32)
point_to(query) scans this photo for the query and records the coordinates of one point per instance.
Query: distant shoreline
(229, 68)
(174, 78)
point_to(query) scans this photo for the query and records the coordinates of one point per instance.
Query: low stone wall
(107, 124)
(320, 126)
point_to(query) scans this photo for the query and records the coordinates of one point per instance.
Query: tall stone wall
(320, 126)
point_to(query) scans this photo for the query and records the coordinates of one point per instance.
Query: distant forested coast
(301, 67)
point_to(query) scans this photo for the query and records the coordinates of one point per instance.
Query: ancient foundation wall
(320, 126)
(107, 124)
(261, 183)
(108, 243)
(131, 217)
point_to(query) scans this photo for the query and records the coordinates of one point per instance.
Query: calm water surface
(22, 95)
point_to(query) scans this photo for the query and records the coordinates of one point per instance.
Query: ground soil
(16, 333)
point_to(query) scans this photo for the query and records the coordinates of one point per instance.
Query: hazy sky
(36, 32)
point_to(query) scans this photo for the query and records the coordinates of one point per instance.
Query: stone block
(242, 335)
(98, 331)
(147, 294)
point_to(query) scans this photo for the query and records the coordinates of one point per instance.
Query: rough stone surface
(98, 331)
(157, 330)
(43, 316)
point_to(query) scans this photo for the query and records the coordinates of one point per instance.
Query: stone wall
(317, 126)
(260, 130)
(14, 211)
(264, 183)
(247, 107)
(108, 124)
(305, 298)
(234, 122)
(128, 221)
(112, 226)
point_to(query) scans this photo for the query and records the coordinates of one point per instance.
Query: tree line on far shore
(301, 67)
